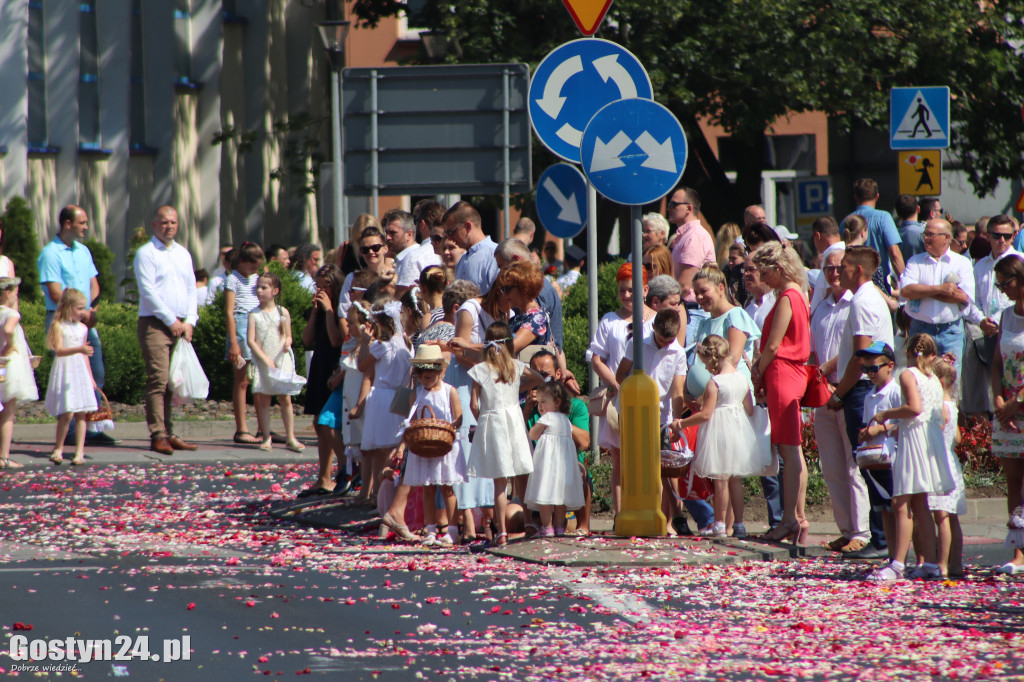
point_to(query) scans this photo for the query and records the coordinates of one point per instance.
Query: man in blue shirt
(883, 236)
(910, 228)
(66, 263)
(463, 226)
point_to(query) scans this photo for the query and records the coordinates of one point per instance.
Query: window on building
(37, 135)
(137, 135)
(89, 81)
(182, 42)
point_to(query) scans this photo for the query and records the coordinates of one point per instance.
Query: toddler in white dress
(71, 390)
(556, 483)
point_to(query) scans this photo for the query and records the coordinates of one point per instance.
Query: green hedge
(122, 357)
(576, 328)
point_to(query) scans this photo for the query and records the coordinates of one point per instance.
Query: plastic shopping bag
(187, 379)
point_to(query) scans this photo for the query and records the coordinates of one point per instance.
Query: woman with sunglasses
(373, 255)
(1008, 388)
(657, 260)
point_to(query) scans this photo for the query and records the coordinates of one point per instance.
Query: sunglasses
(649, 267)
(872, 369)
(673, 204)
(506, 289)
(832, 268)
(1005, 284)
(1001, 236)
(373, 248)
(437, 237)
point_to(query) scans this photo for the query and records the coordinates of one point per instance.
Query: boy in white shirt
(879, 362)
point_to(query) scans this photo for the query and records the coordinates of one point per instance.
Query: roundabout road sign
(573, 82)
(634, 151)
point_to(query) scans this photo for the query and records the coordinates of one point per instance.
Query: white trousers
(846, 486)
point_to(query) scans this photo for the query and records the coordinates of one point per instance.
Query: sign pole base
(640, 458)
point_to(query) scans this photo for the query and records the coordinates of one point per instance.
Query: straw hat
(428, 356)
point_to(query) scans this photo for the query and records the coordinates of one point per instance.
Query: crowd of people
(913, 328)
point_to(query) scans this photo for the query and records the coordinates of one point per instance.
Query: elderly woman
(785, 347)
(664, 292)
(846, 487)
(1008, 426)
(655, 230)
(657, 260)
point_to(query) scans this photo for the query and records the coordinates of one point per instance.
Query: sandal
(245, 438)
(501, 539)
(295, 446)
(77, 461)
(56, 457)
(10, 464)
(265, 446)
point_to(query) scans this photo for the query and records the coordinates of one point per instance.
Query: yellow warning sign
(921, 173)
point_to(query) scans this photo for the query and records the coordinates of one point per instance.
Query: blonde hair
(498, 350)
(775, 256)
(921, 352)
(725, 238)
(945, 370)
(68, 300)
(713, 350)
(712, 273)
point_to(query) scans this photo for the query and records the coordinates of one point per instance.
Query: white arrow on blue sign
(575, 80)
(562, 200)
(634, 151)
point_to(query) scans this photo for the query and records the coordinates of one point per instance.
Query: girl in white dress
(269, 336)
(951, 546)
(430, 472)
(556, 483)
(920, 466)
(71, 390)
(500, 447)
(606, 352)
(726, 443)
(21, 382)
(386, 362)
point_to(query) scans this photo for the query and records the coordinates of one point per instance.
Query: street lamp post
(333, 35)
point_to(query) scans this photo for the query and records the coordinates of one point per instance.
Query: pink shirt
(693, 248)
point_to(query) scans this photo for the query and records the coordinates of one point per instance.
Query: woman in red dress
(785, 347)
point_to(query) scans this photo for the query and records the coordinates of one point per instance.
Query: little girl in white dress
(727, 445)
(20, 384)
(71, 390)
(920, 466)
(500, 447)
(556, 483)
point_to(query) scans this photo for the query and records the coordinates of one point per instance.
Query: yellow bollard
(640, 458)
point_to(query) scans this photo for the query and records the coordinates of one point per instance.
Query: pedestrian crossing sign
(919, 118)
(920, 173)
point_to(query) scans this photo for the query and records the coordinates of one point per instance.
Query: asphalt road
(169, 551)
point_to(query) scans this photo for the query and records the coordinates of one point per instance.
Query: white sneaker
(925, 572)
(445, 540)
(430, 540)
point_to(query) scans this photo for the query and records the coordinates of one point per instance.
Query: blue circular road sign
(634, 151)
(562, 200)
(573, 82)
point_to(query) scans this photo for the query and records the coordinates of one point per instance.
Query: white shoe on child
(886, 573)
(445, 540)
(430, 540)
(925, 572)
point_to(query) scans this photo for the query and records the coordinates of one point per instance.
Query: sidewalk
(984, 522)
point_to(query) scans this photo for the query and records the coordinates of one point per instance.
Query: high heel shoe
(782, 532)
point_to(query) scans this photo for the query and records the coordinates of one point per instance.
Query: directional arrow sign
(573, 82)
(587, 14)
(561, 200)
(634, 151)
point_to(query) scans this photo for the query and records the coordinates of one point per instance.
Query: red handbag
(818, 390)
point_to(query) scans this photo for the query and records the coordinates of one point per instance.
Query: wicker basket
(675, 456)
(102, 414)
(429, 437)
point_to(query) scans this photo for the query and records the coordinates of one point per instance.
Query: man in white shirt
(167, 311)
(826, 238)
(410, 256)
(664, 361)
(939, 287)
(989, 303)
(869, 320)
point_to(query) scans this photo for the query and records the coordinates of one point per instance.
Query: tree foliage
(22, 246)
(745, 63)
